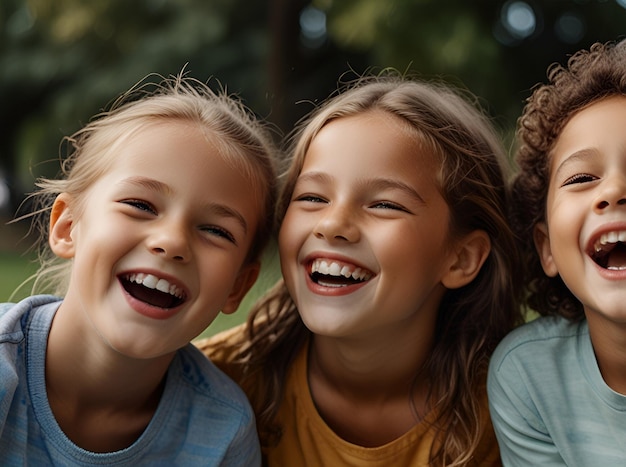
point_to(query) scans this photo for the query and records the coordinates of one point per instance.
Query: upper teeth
(609, 238)
(152, 282)
(332, 268)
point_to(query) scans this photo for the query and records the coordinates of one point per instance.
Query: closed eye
(219, 232)
(389, 205)
(140, 205)
(579, 178)
(310, 199)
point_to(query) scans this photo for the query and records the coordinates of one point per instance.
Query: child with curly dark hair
(557, 386)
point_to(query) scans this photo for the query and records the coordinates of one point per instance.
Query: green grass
(15, 267)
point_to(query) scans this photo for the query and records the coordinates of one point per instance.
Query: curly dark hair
(590, 75)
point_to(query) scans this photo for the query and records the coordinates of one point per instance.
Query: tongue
(151, 296)
(617, 257)
(333, 281)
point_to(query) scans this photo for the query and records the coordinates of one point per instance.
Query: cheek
(290, 239)
(289, 232)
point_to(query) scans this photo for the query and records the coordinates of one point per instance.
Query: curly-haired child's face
(159, 248)
(584, 240)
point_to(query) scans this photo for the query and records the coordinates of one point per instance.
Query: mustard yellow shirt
(308, 441)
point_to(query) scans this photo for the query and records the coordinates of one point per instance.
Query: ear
(541, 237)
(245, 280)
(61, 225)
(471, 252)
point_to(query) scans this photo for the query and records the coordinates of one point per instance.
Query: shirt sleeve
(245, 449)
(521, 433)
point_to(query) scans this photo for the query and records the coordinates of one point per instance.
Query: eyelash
(220, 233)
(579, 178)
(310, 199)
(389, 205)
(140, 205)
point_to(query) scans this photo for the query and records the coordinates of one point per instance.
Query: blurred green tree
(62, 61)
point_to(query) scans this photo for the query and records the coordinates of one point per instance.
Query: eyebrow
(577, 156)
(160, 187)
(146, 183)
(374, 184)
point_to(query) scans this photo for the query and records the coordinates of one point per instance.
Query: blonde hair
(471, 320)
(241, 138)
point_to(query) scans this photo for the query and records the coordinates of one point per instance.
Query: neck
(370, 392)
(101, 399)
(368, 369)
(609, 345)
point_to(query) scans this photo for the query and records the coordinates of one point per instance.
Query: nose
(170, 241)
(338, 223)
(612, 193)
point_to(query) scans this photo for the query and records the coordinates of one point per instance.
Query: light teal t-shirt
(203, 417)
(548, 401)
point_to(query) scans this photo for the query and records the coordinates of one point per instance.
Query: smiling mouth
(153, 290)
(609, 251)
(330, 273)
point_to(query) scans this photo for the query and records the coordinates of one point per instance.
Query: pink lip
(609, 274)
(332, 291)
(146, 309)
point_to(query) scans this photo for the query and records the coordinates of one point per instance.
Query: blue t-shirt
(549, 403)
(203, 418)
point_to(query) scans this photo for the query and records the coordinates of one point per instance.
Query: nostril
(622, 201)
(603, 204)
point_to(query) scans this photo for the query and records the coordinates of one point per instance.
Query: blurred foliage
(62, 61)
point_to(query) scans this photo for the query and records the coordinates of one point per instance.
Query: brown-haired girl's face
(159, 247)
(365, 245)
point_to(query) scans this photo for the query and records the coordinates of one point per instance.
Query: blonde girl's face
(584, 238)
(160, 243)
(365, 246)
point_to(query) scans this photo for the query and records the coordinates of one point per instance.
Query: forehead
(188, 159)
(591, 129)
(370, 138)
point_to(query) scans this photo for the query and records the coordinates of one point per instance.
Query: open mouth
(152, 290)
(609, 251)
(330, 273)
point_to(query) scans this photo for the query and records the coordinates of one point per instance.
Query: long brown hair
(471, 320)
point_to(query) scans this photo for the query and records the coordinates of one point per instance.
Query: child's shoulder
(548, 335)
(212, 345)
(203, 374)
(12, 314)
(221, 348)
(199, 379)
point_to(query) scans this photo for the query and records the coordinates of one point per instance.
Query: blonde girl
(158, 220)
